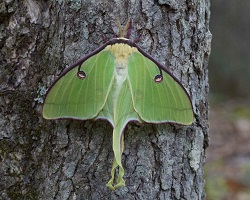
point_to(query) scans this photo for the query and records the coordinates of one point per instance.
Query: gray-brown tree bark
(41, 159)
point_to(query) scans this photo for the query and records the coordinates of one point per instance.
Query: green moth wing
(157, 102)
(123, 113)
(71, 97)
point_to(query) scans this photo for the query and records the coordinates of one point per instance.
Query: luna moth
(118, 82)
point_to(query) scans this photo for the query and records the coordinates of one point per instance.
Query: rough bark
(41, 159)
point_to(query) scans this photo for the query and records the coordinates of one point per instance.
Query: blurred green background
(229, 63)
(227, 168)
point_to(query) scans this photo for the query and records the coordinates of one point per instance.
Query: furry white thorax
(121, 52)
(121, 72)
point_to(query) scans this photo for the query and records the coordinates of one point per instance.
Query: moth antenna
(127, 29)
(120, 28)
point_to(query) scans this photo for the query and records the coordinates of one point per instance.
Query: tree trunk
(66, 159)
